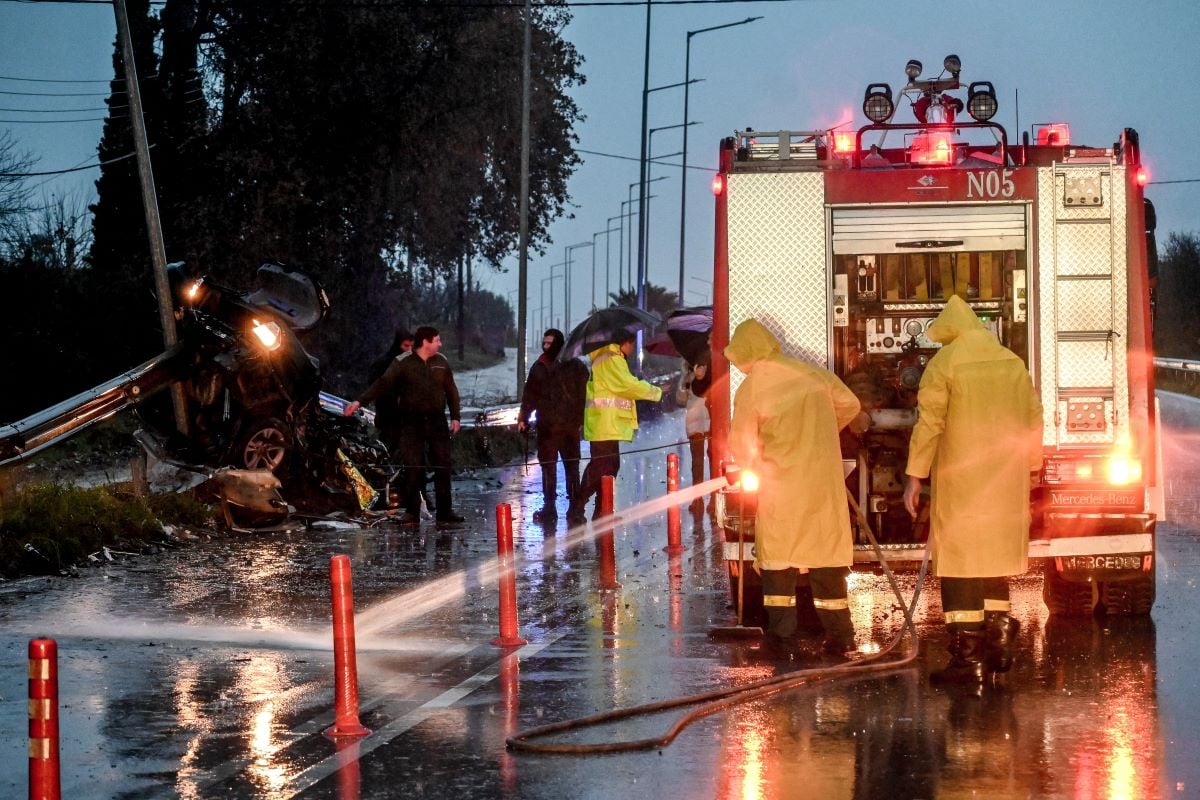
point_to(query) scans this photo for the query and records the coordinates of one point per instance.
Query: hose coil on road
(720, 699)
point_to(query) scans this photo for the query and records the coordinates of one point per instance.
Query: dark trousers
(829, 596)
(418, 432)
(696, 442)
(964, 599)
(605, 460)
(551, 445)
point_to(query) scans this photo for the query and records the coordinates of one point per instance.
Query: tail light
(1118, 468)
(718, 184)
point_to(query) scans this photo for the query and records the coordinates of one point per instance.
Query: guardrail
(1178, 374)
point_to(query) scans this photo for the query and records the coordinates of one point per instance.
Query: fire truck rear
(848, 244)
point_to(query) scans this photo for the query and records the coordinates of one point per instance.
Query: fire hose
(720, 699)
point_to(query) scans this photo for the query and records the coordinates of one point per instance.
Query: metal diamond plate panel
(777, 260)
(1078, 241)
(1084, 305)
(1083, 248)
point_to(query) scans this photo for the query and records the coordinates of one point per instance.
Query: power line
(65, 171)
(1184, 180)
(635, 158)
(56, 80)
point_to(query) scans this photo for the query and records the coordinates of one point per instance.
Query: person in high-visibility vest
(609, 416)
(978, 434)
(786, 419)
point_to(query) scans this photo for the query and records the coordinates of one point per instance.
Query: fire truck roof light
(1054, 133)
(718, 184)
(1143, 177)
(913, 69)
(981, 101)
(843, 143)
(952, 64)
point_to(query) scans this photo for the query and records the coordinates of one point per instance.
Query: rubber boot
(966, 658)
(839, 631)
(1001, 634)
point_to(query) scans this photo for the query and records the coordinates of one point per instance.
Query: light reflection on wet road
(1105, 708)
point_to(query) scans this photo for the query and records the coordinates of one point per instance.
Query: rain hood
(751, 342)
(956, 319)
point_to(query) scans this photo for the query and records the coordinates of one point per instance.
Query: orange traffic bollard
(509, 635)
(674, 537)
(43, 720)
(345, 668)
(607, 489)
(606, 542)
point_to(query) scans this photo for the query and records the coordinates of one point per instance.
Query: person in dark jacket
(387, 405)
(553, 396)
(425, 387)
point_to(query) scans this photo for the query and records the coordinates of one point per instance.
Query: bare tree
(14, 195)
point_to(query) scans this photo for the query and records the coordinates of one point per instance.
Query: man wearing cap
(609, 416)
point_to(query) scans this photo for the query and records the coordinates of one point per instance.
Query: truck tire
(1129, 598)
(1066, 598)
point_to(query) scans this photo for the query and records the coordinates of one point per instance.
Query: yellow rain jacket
(786, 418)
(979, 431)
(609, 412)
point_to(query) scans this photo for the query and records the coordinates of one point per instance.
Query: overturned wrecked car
(254, 406)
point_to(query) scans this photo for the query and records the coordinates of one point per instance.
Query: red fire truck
(847, 245)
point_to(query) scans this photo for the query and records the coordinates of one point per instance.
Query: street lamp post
(567, 285)
(643, 165)
(629, 260)
(687, 68)
(649, 166)
(605, 234)
(607, 283)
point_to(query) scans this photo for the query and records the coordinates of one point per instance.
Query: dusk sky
(1100, 66)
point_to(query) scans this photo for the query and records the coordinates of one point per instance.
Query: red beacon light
(843, 143)
(718, 184)
(1143, 177)
(1054, 134)
(934, 148)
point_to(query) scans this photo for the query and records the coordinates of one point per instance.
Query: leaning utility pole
(523, 264)
(158, 250)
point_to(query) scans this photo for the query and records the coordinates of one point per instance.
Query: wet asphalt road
(207, 671)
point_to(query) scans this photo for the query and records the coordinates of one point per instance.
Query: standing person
(786, 419)
(555, 393)
(697, 421)
(979, 434)
(387, 406)
(425, 387)
(609, 416)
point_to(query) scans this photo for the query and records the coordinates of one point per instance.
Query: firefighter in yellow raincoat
(786, 419)
(979, 435)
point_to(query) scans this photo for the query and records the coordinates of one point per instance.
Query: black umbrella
(604, 327)
(689, 329)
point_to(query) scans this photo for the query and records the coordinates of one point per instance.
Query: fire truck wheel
(1066, 598)
(1129, 598)
(262, 444)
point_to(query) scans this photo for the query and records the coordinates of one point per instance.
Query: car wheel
(264, 444)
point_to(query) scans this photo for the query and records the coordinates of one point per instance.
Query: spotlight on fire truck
(913, 69)
(877, 102)
(952, 64)
(981, 101)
